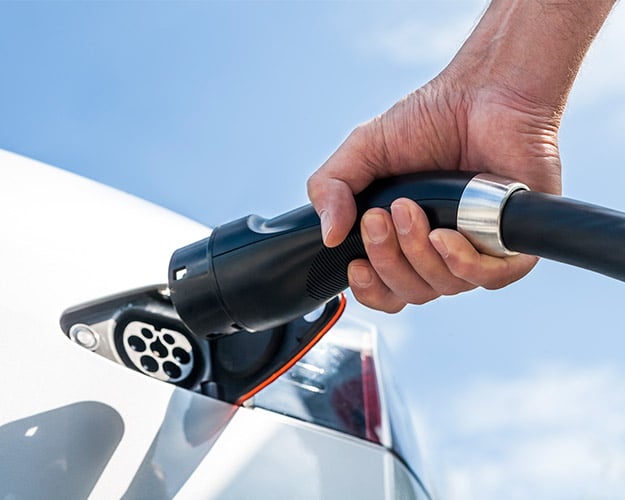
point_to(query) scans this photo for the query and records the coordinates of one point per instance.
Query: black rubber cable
(565, 230)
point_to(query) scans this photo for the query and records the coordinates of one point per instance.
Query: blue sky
(221, 109)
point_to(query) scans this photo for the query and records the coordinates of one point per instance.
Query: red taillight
(371, 397)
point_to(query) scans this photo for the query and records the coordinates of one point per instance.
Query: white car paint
(66, 240)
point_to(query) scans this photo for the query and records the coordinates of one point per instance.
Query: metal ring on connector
(479, 212)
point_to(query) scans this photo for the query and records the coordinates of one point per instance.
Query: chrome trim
(84, 336)
(480, 209)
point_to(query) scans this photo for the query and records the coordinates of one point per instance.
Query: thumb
(331, 189)
(333, 200)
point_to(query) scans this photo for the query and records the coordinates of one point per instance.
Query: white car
(106, 395)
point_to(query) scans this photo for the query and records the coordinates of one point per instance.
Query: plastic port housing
(141, 330)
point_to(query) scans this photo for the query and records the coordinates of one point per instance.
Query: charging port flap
(141, 330)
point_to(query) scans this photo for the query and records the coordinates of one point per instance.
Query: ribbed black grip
(327, 275)
(437, 193)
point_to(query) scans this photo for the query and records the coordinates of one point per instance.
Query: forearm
(533, 48)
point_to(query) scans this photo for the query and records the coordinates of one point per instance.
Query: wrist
(531, 49)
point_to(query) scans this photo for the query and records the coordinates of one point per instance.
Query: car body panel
(69, 417)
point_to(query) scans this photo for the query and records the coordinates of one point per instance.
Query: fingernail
(401, 218)
(439, 245)
(326, 225)
(375, 227)
(361, 275)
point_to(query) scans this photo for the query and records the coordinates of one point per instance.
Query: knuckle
(449, 288)
(393, 307)
(498, 281)
(460, 266)
(359, 133)
(368, 295)
(418, 294)
(379, 298)
(494, 285)
(507, 273)
(313, 184)
(364, 143)
(383, 256)
(424, 298)
(414, 243)
(362, 297)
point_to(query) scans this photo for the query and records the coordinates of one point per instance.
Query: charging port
(141, 330)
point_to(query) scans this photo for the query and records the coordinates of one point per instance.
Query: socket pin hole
(168, 339)
(149, 363)
(136, 343)
(171, 369)
(182, 356)
(147, 333)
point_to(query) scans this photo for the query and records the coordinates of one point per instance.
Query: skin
(495, 108)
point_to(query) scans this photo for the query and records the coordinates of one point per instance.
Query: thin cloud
(557, 432)
(430, 33)
(417, 42)
(540, 398)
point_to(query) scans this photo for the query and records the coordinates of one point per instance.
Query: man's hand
(496, 108)
(437, 127)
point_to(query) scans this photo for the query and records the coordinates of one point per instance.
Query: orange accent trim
(300, 355)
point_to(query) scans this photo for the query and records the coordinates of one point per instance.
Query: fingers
(370, 290)
(413, 229)
(479, 269)
(388, 260)
(409, 264)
